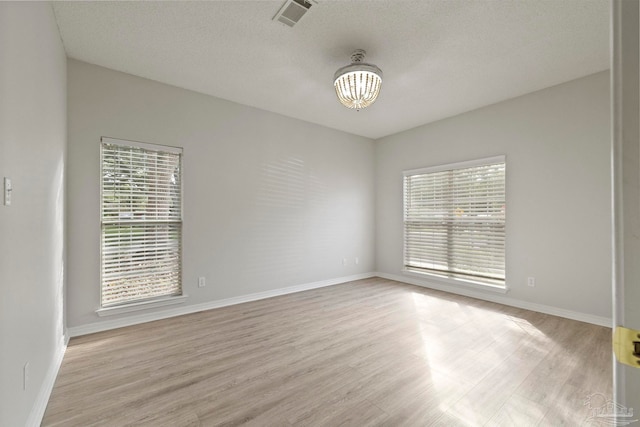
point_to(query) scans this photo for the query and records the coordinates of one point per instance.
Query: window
(141, 216)
(454, 221)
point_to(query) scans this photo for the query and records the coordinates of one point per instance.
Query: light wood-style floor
(370, 352)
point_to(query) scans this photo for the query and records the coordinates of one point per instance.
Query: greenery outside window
(141, 221)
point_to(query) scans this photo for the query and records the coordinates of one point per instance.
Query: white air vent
(292, 10)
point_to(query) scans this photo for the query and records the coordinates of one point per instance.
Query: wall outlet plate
(7, 191)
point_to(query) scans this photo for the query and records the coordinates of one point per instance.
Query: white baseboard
(179, 311)
(541, 308)
(91, 328)
(40, 405)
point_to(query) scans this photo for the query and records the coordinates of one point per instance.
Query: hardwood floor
(371, 352)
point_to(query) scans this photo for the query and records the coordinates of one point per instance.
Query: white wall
(32, 154)
(270, 202)
(557, 144)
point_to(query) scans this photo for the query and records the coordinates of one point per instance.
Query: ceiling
(439, 57)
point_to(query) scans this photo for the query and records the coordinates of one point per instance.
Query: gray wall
(270, 202)
(557, 145)
(32, 153)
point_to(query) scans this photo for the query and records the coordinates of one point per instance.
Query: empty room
(319, 213)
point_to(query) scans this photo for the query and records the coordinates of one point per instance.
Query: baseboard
(40, 405)
(91, 328)
(179, 311)
(541, 308)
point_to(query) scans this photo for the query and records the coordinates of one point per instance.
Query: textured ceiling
(439, 57)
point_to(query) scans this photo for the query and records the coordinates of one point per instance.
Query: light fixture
(358, 84)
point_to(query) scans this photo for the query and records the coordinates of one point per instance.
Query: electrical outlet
(202, 282)
(7, 191)
(357, 261)
(25, 376)
(344, 261)
(531, 281)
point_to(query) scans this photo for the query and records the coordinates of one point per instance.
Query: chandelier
(358, 84)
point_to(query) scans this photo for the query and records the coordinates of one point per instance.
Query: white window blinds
(141, 216)
(454, 221)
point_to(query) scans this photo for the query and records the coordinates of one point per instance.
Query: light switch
(7, 191)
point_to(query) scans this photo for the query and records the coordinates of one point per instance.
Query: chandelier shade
(358, 84)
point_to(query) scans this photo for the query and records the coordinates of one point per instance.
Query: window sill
(143, 305)
(456, 281)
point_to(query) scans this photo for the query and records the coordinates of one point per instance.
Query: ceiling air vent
(292, 10)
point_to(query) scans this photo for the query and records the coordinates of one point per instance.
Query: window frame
(445, 277)
(153, 301)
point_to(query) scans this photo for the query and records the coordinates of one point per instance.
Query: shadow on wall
(294, 220)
